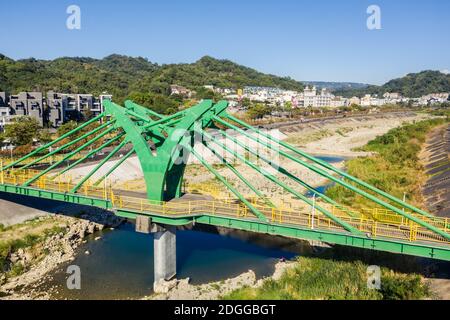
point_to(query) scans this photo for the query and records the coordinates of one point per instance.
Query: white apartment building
(354, 100)
(338, 101)
(434, 98)
(312, 99)
(369, 100)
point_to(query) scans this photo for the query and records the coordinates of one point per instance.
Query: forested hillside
(122, 75)
(413, 85)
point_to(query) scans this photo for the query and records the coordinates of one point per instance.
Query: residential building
(56, 106)
(392, 96)
(4, 110)
(70, 107)
(309, 96)
(85, 103)
(180, 90)
(369, 100)
(338, 101)
(434, 98)
(354, 100)
(97, 106)
(312, 99)
(28, 104)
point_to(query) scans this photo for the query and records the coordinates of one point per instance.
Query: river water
(120, 264)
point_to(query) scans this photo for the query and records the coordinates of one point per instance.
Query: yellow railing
(52, 159)
(373, 222)
(390, 217)
(59, 184)
(372, 228)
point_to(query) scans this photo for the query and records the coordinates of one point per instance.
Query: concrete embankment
(436, 157)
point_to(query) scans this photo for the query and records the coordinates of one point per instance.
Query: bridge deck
(374, 225)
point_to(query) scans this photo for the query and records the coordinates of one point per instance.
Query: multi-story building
(97, 106)
(354, 100)
(338, 101)
(180, 90)
(55, 110)
(434, 98)
(28, 104)
(71, 107)
(56, 103)
(309, 96)
(4, 110)
(85, 103)
(4, 105)
(312, 99)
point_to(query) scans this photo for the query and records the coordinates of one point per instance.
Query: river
(120, 264)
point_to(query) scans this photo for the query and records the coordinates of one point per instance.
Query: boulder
(164, 286)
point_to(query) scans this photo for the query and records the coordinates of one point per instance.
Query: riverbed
(120, 264)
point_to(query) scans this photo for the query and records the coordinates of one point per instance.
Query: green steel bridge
(163, 144)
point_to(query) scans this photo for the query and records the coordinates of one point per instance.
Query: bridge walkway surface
(379, 229)
(162, 145)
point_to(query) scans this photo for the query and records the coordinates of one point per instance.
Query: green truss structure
(163, 144)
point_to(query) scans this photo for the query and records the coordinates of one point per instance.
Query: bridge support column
(165, 256)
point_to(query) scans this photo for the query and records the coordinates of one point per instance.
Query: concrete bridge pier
(165, 253)
(165, 250)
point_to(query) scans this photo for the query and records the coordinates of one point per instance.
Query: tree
(45, 136)
(156, 102)
(22, 131)
(66, 127)
(258, 111)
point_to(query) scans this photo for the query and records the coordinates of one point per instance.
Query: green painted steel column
(346, 185)
(70, 155)
(259, 214)
(269, 176)
(106, 159)
(117, 165)
(330, 167)
(284, 171)
(48, 145)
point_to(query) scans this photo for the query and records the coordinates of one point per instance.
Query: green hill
(413, 85)
(122, 75)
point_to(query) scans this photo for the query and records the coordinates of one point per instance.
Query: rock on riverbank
(60, 248)
(183, 290)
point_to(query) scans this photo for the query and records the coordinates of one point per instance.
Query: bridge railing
(4, 161)
(312, 220)
(381, 215)
(61, 184)
(373, 222)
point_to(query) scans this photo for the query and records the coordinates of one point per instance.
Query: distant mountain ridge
(413, 85)
(333, 86)
(121, 75)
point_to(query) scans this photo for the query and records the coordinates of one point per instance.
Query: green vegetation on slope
(24, 236)
(395, 167)
(322, 279)
(413, 85)
(123, 76)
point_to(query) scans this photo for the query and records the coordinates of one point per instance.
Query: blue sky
(305, 39)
